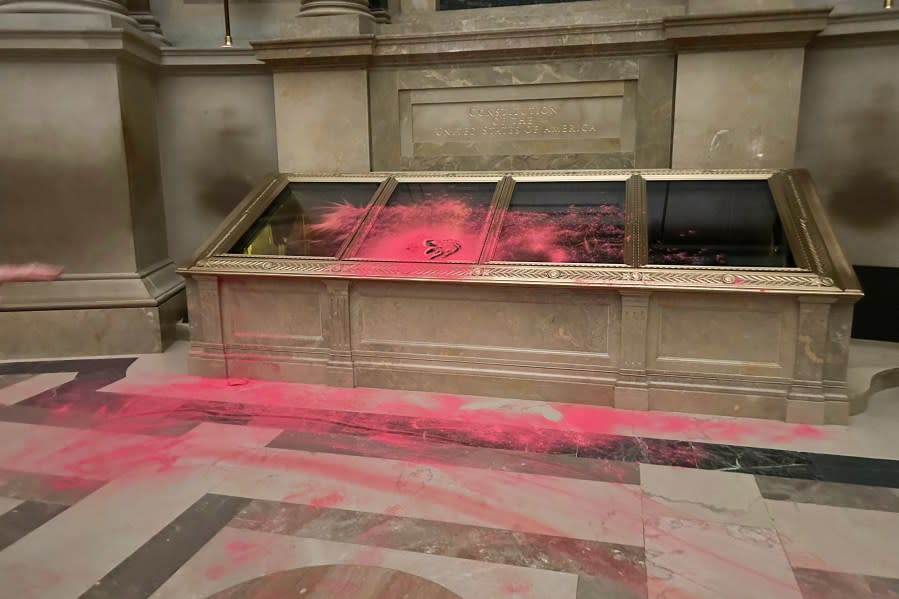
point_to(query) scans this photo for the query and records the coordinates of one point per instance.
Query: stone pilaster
(207, 350)
(631, 388)
(805, 401)
(336, 327)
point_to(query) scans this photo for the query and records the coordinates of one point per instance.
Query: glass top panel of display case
(715, 223)
(564, 221)
(430, 222)
(308, 219)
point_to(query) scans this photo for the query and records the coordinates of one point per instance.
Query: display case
(720, 292)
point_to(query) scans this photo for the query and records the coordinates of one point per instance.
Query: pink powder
(215, 572)
(437, 229)
(329, 500)
(587, 234)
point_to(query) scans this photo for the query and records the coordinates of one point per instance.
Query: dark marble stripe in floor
(818, 584)
(11, 379)
(598, 587)
(148, 424)
(615, 568)
(861, 497)
(111, 368)
(155, 561)
(423, 451)
(25, 517)
(47, 488)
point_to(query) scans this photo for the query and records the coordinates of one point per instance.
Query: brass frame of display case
(821, 265)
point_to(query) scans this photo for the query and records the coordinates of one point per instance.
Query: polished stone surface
(723, 497)
(328, 111)
(722, 110)
(180, 487)
(689, 558)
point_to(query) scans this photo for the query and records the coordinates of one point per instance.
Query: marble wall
(322, 121)
(217, 139)
(848, 127)
(737, 109)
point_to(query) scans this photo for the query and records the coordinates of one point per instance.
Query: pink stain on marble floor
(488, 414)
(93, 456)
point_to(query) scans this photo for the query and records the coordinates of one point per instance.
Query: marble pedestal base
(90, 331)
(80, 186)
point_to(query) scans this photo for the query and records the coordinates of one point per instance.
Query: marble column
(335, 18)
(140, 10)
(117, 8)
(321, 8)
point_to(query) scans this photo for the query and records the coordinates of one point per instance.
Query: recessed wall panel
(280, 313)
(536, 325)
(722, 335)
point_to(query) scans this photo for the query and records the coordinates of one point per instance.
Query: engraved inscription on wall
(526, 119)
(518, 119)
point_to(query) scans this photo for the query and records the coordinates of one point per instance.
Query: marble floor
(123, 477)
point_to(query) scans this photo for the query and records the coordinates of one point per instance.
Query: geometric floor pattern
(125, 478)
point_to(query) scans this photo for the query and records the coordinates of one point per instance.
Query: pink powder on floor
(330, 500)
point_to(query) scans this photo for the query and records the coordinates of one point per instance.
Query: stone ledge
(761, 29)
(861, 29)
(428, 48)
(149, 288)
(344, 51)
(90, 331)
(667, 34)
(218, 61)
(74, 37)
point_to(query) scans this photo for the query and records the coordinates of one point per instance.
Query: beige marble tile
(707, 495)
(100, 455)
(63, 558)
(11, 379)
(84, 453)
(582, 509)
(208, 437)
(173, 361)
(31, 386)
(705, 560)
(838, 539)
(234, 556)
(7, 504)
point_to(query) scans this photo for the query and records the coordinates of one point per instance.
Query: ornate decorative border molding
(528, 274)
